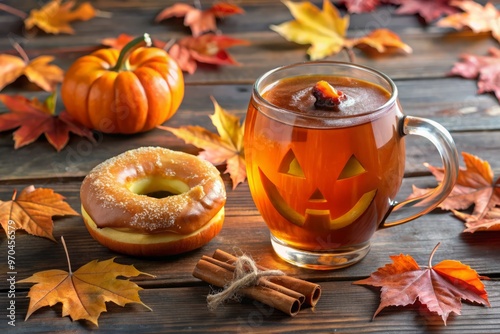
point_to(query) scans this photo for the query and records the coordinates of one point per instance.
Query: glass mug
(325, 180)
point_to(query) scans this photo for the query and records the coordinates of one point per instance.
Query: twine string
(246, 274)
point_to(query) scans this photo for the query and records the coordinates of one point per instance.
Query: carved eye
(352, 168)
(290, 166)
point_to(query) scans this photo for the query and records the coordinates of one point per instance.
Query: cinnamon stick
(262, 281)
(311, 291)
(219, 276)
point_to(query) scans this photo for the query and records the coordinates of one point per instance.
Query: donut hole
(158, 186)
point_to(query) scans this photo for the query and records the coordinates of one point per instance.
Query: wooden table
(177, 298)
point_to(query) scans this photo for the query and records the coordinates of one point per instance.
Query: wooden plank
(416, 238)
(268, 50)
(434, 53)
(255, 18)
(40, 160)
(343, 307)
(177, 298)
(451, 101)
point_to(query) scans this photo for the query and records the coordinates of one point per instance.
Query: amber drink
(324, 177)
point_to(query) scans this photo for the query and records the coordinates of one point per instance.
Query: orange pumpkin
(123, 92)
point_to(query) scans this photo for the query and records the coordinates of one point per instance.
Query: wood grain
(184, 309)
(178, 299)
(416, 238)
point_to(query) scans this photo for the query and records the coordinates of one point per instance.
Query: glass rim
(360, 118)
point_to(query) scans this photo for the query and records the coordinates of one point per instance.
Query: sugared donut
(119, 213)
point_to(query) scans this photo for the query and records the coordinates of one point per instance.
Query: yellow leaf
(84, 293)
(226, 146)
(325, 30)
(321, 46)
(54, 17)
(228, 126)
(327, 22)
(216, 150)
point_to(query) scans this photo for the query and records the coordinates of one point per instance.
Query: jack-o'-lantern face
(329, 192)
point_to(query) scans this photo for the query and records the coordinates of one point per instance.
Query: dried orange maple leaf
(441, 287)
(475, 187)
(485, 68)
(84, 293)
(199, 21)
(325, 30)
(32, 211)
(54, 17)
(38, 71)
(227, 146)
(476, 17)
(33, 118)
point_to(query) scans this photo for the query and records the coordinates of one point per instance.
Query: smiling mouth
(315, 216)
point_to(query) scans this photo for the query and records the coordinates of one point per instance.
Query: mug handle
(441, 138)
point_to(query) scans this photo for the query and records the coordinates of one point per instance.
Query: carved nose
(317, 197)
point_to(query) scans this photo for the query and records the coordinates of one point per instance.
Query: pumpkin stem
(121, 63)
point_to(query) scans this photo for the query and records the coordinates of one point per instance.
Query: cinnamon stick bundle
(285, 293)
(311, 291)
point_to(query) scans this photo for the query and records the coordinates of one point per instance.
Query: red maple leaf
(440, 288)
(360, 6)
(207, 48)
(189, 51)
(475, 187)
(33, 118)
(200, 21)
(429, 10)
(484, 68)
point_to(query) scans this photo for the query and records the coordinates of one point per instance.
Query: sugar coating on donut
(107, 197)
